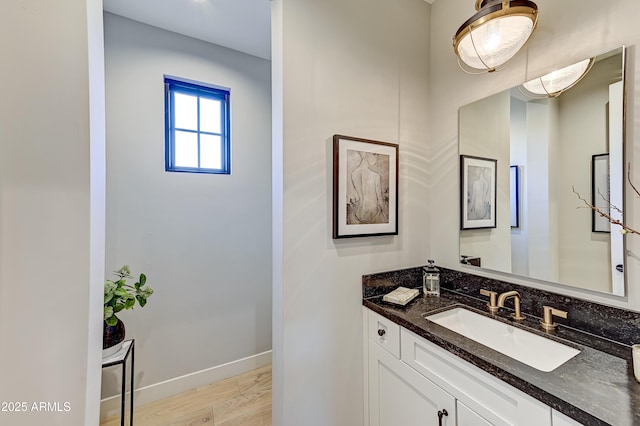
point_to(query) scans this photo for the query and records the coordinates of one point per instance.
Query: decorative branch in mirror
(610, 212)
(552, 143)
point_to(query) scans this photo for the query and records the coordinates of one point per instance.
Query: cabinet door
(559, 419)
(468, 417)
(399, 395)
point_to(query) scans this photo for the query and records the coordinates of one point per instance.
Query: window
(197, 127)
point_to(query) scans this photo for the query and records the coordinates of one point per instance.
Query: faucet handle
(493, 296)
(547, 319)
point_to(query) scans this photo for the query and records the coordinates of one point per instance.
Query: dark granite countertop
(596, 387)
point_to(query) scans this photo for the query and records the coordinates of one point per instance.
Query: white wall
(518, 157)
(567, 32)
(51, 227)
(542, 221)
(359, 68)
(584, 256)
(557, 191)
(484, 132)
(203, 240)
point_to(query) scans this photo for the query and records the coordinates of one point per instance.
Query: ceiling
(243, 25)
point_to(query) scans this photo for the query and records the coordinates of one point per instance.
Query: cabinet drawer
(467, 417)
(495, 401)
(384, 332)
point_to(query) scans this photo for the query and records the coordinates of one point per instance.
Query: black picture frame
(477, 192)
(514, 195)
(365, 187)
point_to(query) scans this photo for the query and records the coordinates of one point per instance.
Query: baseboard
(111, 406)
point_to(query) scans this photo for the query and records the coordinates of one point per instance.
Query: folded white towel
(401, 295)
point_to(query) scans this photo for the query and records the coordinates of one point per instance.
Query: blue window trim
(175, 85)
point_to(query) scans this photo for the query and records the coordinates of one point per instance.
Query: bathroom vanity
(420, 372)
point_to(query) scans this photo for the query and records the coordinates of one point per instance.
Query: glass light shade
(495, 42)
(558, 81)
(495, 33)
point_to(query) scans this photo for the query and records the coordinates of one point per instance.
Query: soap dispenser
(430, 280)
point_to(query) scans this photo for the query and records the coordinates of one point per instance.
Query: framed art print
(365, 187)
(477, 192)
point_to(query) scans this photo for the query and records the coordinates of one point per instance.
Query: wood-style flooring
(243, 400)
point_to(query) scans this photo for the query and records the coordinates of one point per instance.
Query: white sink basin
(536, 351)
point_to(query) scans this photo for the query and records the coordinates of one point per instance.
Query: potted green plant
(119, 295)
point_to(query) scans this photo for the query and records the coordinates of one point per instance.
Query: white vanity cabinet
(410, 380)
(398, 394)
(495, 401)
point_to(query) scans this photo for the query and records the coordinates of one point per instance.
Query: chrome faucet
(516, 303)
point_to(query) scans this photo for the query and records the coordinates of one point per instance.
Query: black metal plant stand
(120, 357)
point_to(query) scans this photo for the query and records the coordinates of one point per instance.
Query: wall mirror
(543, 148)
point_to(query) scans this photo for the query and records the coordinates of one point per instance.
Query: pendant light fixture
(553, 84)
(495, 33)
